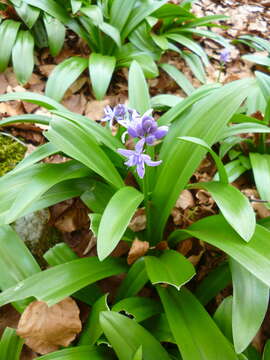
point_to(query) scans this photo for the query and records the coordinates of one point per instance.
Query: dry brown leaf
(47, 69)
(45, 328)
(11, 109)
(95, 109)
(138, 221)
(76, 103)
(3, 84)
(185, 200)
(138, 249)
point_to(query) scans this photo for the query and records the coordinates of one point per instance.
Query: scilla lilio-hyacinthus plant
(157, 157)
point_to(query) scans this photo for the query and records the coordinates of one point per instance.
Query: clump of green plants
(11, 152)
(117, 33)
(162, 155)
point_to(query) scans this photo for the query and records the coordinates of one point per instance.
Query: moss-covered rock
(11, 152)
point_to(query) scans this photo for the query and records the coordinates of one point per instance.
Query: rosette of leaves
(166, 325)
(117, 32)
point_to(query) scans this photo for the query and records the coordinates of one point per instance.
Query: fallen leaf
(45, 328)
(138, 249)
(95, 109)
(76, 103)
(185, 200)
(138, 221)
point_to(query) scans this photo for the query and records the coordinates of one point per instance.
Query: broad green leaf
(190, 44)
(23, 49)
(51, 7)
(56, 32)
(10, 345)
(75, 5)
(54, 284)
(134, 281)
(112, 32)
(34, 98)
(234, 206)
(159, 327)
(205, 33)
(178, 109)
(170, 268)
(264, 84)
(8, 34)
(101, 68)
(174, 173)
(60, 254)
(164, 101)
(196, 334)
(26, 118)
(82, 146)
(16, 261)
(40, 153)
(64, 75)
(100, 133)
(172, 11)
(116, 218)
(141, 308)
(50, 175)
(233, 169)
(138, 14)
(97, 197)
(258, 59)
(139, 98)
(196, 66)
(115, 328)
(260, 164)
(266, 351)
(179, 78)
(213, 283)
(263, 43)
(250, 303)
(28, 14)
(223, 317)
(244, 128)
(120, 12)
(80, 353)
(92, 329)
(253, 256)
(138, 354)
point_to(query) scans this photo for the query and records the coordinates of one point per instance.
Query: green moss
(11, 152)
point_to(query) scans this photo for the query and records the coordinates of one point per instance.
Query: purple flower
(225, 55)
(145, 127)
(138, 159)
(118, 113)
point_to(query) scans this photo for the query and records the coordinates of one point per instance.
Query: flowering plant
(161, 156)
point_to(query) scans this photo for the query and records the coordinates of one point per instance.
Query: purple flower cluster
(144, 128)
(225, 55)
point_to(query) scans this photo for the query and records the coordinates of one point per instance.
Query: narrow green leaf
(8, 34)
(141, 308)
(190, 44)
(164, 101)
(159, 327)
(138, 14)
(223, 317)
(196, 334)
(10, 345)
(234, 206)
(23, 49)
(250, 303)
(116, 218)
(28, 14)
(253, 256)
(196, 66)
(16, 261)
(92, 329)
(26, 118)
(56, 32)
(64, 75)
(80, 353)
(179, 78)
(112, 32)
(139, 97)
(51, 7)
(49, 175)
(101, 68)
(56, 283)
(34, 98)
(81, 145)
(260, 164)
(264, 84)
(115, 328)
(245, 128)
(170, 268)
(120, 12)
(134, 281)
(138, 354)
(258, 59)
